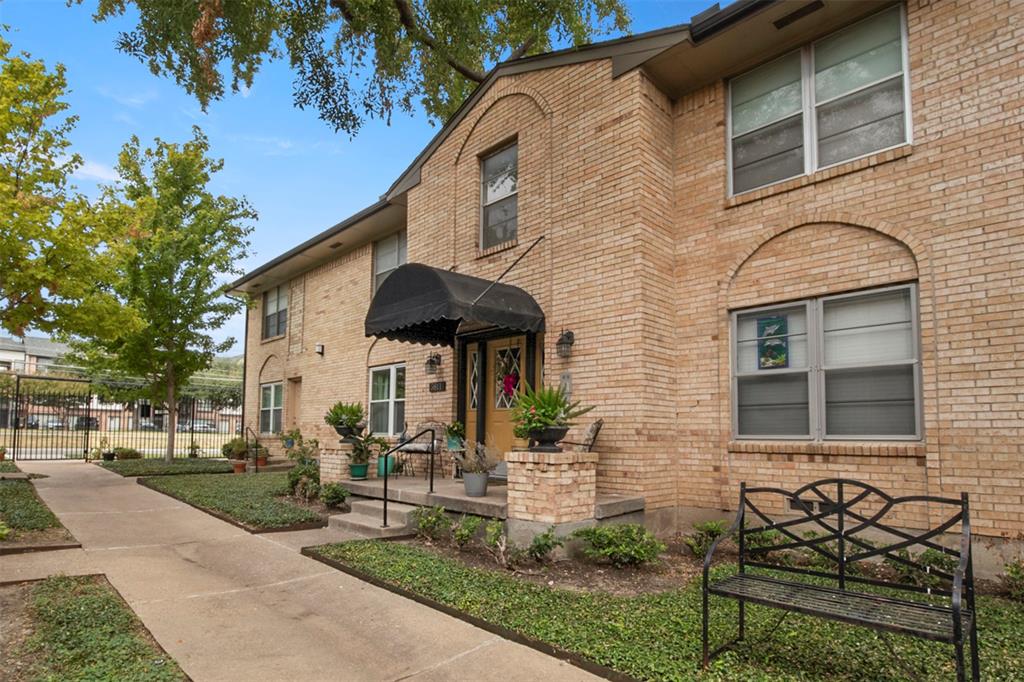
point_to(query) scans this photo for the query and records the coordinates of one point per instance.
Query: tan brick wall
(944, 211)
(645, 254)
(546, 487)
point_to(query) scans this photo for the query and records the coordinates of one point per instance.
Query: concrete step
(398, 514)
(366, 525)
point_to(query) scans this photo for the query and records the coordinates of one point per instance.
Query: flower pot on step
(476, 483)
(239, 465)
(358, 471)
(261, 461)
(547, 438)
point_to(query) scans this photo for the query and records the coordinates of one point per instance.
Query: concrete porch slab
(448, 493)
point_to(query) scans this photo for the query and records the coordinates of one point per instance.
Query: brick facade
(645, 255)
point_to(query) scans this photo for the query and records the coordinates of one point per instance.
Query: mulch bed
(677, 566)
(46, 540)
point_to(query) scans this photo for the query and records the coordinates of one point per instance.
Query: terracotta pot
(239, 465)
(547, 438)
(520, 443)
(261, 461)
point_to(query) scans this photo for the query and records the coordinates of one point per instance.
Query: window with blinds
(838, 99)
(839, 367)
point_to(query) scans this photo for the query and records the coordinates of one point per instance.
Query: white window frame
(276, 388)
(483, 194)
(816, 368)
(403, 256)
(393, 428)
(810, 106)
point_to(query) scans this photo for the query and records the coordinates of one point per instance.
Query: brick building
(787, 238)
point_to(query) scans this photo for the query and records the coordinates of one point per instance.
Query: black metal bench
(849, 520)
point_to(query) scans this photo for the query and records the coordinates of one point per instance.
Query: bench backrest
(844, 523)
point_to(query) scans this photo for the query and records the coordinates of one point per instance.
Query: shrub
(127, 453)
(1014, 578)
(496, 541)
(769, 538)
(621, 544)
(431, 522)
(304, 479)
(704, 535)
(333, 494)
(543, 544)
(465, 530)
(235, 448)
(4, 531)
(912, 575)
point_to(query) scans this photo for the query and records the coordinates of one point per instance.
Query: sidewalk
(228, 605)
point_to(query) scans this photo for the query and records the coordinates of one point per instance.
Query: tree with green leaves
(54, 256)
(354, 58)
(182, 240)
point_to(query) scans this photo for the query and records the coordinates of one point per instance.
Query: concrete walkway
(228, 605)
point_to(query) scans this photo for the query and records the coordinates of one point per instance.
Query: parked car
(53, 424)
(199, 426)
(31, 422)
(148, 425)
(87, 424)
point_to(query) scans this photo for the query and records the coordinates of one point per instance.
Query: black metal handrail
(255, 451)
(396, 448)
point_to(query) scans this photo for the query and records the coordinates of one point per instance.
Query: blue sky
(299, 175)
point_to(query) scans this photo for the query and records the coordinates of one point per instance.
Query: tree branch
(407, 17)
(522, 49)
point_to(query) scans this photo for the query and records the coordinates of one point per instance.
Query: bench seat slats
(878, 612)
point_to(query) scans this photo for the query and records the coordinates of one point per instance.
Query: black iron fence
(68, 419)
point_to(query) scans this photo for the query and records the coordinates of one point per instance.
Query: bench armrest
(714, 545)
(961, 572)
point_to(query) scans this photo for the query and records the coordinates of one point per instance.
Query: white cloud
(135, 100)
(94, 170)
(127, 119)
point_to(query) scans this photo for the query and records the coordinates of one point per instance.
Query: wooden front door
(495, 378)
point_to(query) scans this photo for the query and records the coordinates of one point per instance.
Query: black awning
(421, 304)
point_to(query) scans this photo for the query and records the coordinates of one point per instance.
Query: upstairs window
(840, 367)
(388, 254)
(838, 99)
(499, 178)
(275, 312)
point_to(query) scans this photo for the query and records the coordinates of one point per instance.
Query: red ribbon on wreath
(510, 383)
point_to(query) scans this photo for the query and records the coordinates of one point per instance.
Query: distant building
(29, 355)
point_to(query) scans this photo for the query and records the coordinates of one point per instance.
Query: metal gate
(66, 419)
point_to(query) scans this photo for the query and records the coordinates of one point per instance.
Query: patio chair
(419, 450)
(589, 436)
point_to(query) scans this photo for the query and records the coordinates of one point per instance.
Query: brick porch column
(334, 463)
(551, 488)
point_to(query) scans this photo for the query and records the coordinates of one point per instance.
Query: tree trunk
(172, 414)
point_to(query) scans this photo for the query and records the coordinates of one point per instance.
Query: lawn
(77, 629)
(22, 510)
(8, 467)
(251, 500)
(158, 467)
(657, 636)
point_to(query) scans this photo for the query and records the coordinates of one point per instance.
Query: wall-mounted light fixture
(319, 348)
(563, 347)
(433, 363)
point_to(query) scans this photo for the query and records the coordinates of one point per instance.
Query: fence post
(17, 416)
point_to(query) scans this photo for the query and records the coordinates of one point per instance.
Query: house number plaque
(438, 386)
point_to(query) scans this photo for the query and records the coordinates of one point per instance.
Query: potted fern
(545, 415)
(346, 418)
(364, 446)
